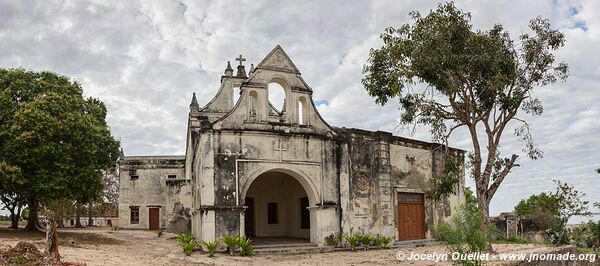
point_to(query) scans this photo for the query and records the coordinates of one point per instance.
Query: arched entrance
(277, 209)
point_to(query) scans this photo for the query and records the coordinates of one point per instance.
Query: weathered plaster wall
(153, 188)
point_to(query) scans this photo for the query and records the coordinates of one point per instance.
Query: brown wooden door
(411, 216)
(249, 217)
(154, 218)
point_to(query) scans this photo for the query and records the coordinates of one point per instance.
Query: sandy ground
(100, 246)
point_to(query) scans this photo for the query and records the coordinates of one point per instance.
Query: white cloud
(145, 58)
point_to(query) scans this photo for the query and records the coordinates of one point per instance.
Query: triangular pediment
(278, 60)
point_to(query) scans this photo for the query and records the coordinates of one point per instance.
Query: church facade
(255, 169)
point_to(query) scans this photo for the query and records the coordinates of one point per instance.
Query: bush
(231, 241)
(352, 240)
(333, 240)
(465, 233)
(365, 240)
(187, 242)
(160, 232)
(186, 238)
(382, 241)
(246, 249)
(114, 228)
(188, 247)
(211, 247)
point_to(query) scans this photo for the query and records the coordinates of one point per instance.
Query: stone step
(283, 245)
(292, 250)
(416, 243)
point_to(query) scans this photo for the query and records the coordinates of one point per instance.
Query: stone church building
(282, 171)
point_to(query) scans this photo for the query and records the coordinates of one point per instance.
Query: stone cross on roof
(241, 60)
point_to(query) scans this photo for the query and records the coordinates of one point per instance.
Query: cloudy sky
(145, 58)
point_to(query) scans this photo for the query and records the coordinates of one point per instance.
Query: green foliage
(160, 232)
(366, 240)
(114, 228)
(57, 138)
(333, 240)
(445, 184)
(353, 240)
(382, 241)
(465, 233)
(472, 79)
(542, 209)
(188, 247)
(187, 242)
(246, 248)
(186, 238)
(232, 242)
(211, 247)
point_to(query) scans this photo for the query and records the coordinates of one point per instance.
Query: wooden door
(411, 216)
(249, 217)
(154, 218)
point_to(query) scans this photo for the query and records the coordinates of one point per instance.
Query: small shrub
(382, 241)
(188, 247)
(114, 228)
(333, 240)
(160, 232)
(211, 247)
(246, 248)
(365, 240)
(186, 238)
(352, 240)
(231, 241)
(465, 233)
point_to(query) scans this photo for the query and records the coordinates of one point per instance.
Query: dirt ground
(101, 246)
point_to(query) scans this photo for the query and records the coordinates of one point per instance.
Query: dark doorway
(249, 217)
(154, 218)
(411, 216)
(304, 214)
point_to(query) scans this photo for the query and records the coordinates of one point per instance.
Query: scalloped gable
(278, 60)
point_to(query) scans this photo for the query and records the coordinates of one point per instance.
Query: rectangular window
(410, 197)
(133, 174)
(272, 215)
(304, 214)
(134, 217)
(171, 176)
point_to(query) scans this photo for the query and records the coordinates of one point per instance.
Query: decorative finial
(228, 70)
(194, 107)
(251, 69)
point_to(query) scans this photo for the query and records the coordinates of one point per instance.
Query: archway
(277, 210)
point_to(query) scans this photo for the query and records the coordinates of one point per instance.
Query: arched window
(253, 99)
(302, 111)
(236, 94)
(276, 96)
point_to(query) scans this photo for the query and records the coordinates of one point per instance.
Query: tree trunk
(61, 223)
(32, 220)
(90, 219)
(78, 216)
(51, 238)
(484, 207)
(14, 220)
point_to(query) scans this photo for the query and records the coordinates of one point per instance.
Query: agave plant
(188, 247)
(246, 248)
(365, 240)
(352, 240)
(231, 241)
(211, 247)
